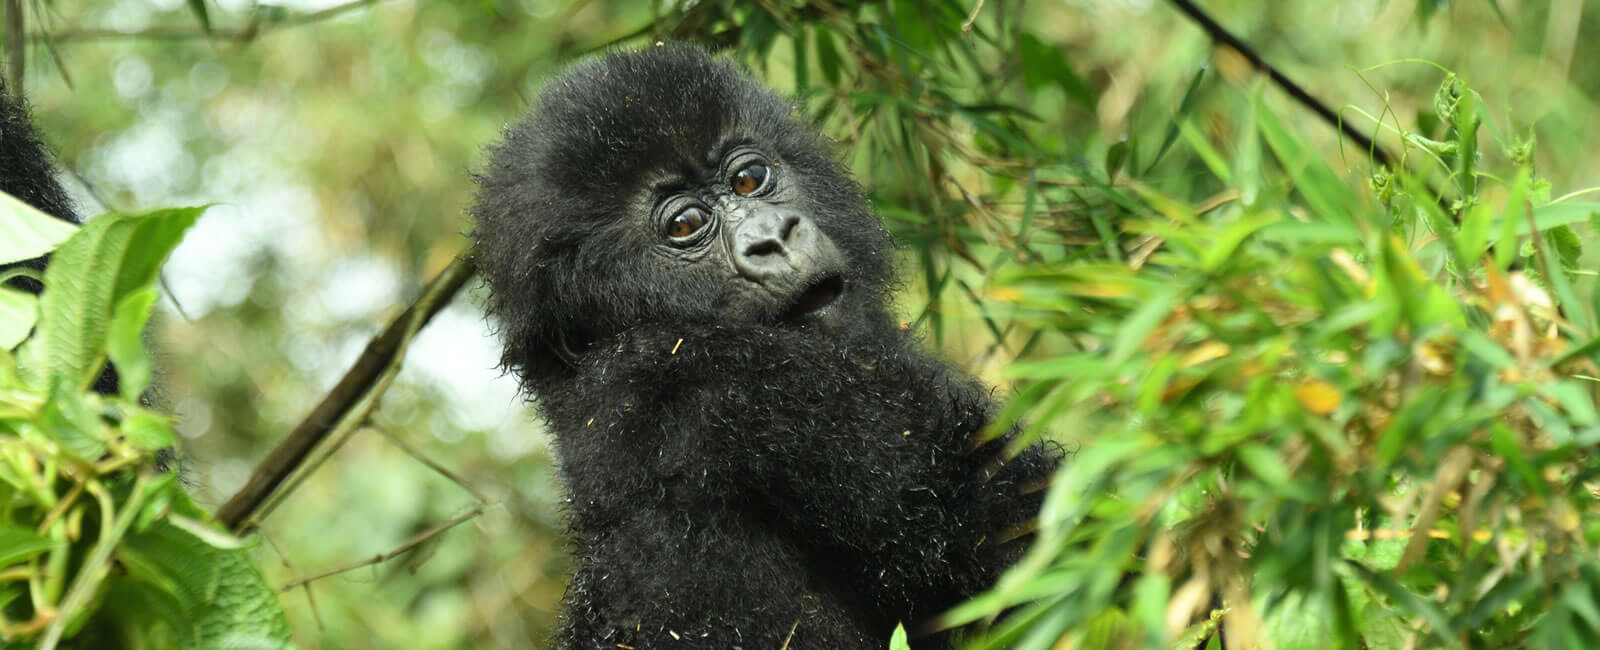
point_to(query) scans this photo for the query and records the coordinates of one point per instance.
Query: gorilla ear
(532, 321)
(534, 355)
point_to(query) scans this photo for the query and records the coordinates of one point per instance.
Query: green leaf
(1046, 64)
(148, 431)
(18, 544)
(1230, 237)
(1151, 594)
(1139, 324)
(198, 8)
(109, 258)
(125, 342)
(1546, 217)
(828, 59)
(1504, 443)
(1575, 399)
(26, 233)
(1411, 602)
(72, 419)
(897, 641)
(1178, 119)
(1327, 196)
(1116, 155)
(1505, 592)
(18, 310)
(221, 598)
(1264, 464)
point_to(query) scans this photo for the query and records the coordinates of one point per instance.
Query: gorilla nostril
(790, 223)
(764, 247)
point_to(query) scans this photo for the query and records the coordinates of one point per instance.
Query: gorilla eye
(687, 223)
(746, 181)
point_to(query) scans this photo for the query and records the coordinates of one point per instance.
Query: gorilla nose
(767, 241)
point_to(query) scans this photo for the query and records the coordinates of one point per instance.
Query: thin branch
(966, 26)
(311, 596)
(397, 551)
(340, 401)
(16, 50)
(249, 32)
(413, 452)
(1379, 155)
(1221, 35)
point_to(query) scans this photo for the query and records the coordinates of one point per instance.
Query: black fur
(26, 172)
(732, 482)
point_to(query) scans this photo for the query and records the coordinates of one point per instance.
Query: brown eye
(686, 223)
(750, 179)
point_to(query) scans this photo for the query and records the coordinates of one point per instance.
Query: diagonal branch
(1221, 35)
(351, 390)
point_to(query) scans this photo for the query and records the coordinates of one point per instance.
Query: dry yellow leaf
(1208, 351)
(1005, 294)
(1435, 358)
(1100, 289)
(1317, 396)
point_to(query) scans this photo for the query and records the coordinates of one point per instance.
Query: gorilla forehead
(611, 120)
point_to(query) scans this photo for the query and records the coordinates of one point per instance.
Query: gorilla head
(666, 186)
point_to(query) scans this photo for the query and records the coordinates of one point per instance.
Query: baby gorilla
(696, 294)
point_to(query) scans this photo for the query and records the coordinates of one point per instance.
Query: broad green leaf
(18, 544)
(1047, 64)
(109, 258)
(1264, 464)
(1327, 196)
(1410, 602)
(72, 418)
(148, 431)
(220, 595)
(26, 233)
(897, 641)
(1552, 215)
(18, 310)
(125, 342)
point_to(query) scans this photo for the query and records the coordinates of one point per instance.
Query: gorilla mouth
(815, 299)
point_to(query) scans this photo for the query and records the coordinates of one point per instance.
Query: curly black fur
(732, 483)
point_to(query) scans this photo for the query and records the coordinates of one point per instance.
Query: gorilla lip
(816, 298)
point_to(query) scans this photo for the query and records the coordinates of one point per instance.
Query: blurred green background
(337, 142)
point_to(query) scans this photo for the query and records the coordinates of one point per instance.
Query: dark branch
(355, 384)
(1223, 36)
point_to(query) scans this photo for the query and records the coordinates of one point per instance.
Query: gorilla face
(748, 233)
(665, 186)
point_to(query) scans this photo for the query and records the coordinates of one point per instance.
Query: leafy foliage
(1319, 413)
(100, 545)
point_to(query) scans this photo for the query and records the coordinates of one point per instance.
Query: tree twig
(250, 31)
(350, 390)
(16, 47)
(413, 452)
(1221, 35)
(391, 554)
